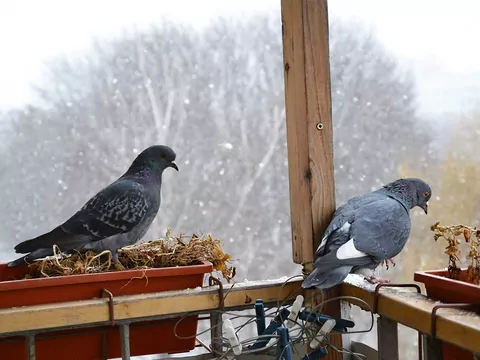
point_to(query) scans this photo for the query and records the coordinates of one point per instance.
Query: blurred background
(85, 86)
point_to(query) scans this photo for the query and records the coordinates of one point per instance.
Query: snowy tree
(216, 96)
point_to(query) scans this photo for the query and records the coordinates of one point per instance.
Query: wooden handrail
(407, 307)
(143, 306)
(455, 326)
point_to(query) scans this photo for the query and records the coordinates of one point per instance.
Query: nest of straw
(170, 251)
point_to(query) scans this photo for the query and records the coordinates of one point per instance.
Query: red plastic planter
(440, 287)
(152, 337)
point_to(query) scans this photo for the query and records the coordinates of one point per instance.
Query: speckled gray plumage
(376, 225)
(117, 216)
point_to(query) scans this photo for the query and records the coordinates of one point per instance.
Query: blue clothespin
(284, 351)
(316, 354)
(260, 313)
(341, 324)
(277, 321)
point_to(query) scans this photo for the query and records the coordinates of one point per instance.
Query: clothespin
(294, 311)
(265, 337)
(260, 314)
(319, 352)
(312, 317)
(316, 354)
(232, 337)
(284, 350)
(322, 333)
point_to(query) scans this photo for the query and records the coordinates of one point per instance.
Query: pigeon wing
(381, 228)
(342, 219)
(115, 210)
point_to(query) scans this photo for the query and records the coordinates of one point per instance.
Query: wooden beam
(309, 122)
(89, 312)
(308, 109)
(458, 327)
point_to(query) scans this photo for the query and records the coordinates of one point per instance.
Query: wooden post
(309, 122)
(309, 131)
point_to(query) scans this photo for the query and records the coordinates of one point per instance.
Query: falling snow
(216, 96)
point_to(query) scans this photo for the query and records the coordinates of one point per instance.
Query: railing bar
(125, 340)
(30, 340)
(134, 321)
(432, 348)
(216, 333)
(387, 335)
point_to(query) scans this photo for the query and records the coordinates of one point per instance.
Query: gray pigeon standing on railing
(117, 216)
(366, 231)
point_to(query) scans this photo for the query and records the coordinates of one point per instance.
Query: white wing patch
(348, 251)
(345, 227)
(322, 244)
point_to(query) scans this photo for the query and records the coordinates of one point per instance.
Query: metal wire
(301, 334)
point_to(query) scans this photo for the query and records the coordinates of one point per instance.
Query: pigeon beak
(173, 165)
(425, 208)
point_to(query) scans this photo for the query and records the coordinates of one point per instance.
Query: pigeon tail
(37, 254)
(326, 280)
(55, 237)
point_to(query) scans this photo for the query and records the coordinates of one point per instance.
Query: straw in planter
(168, 252)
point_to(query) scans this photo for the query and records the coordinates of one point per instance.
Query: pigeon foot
(375, 280)
(385, 262)
(119, 267)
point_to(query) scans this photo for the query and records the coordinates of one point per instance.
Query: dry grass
(452, 234)
(168, 252)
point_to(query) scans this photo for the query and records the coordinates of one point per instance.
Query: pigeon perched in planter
(117, 216)
(366, 231)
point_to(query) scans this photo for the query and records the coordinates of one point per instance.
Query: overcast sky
(439, 38)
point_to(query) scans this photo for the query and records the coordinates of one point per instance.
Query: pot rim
(176, 271)
(437, 276)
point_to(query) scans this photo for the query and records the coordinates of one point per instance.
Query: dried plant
(452, 234)
(168, 252)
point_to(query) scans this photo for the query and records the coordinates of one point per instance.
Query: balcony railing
(393, 305)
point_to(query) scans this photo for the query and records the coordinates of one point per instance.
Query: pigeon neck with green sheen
(149, 170)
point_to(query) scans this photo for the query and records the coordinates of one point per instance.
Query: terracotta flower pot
(151, 337)
(440, 287)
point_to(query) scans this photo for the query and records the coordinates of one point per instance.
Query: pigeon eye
(162, 155)
(426, 194)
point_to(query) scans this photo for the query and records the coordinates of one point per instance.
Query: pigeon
(366, 231)
(117, 216)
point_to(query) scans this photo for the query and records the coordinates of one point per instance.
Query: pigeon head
(155, 159)
(415, 192)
